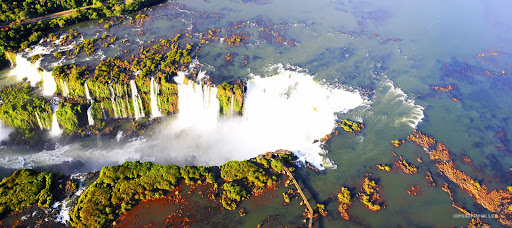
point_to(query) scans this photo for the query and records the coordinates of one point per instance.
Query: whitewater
(286, 111)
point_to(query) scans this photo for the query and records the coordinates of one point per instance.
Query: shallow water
(390, 51)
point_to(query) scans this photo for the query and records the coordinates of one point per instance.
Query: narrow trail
(49, 16)
(54, 15)
(310, 215)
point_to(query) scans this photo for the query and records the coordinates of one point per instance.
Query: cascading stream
(137, 104)
(87, 95)
(25, 69)
(55, 131)
(155, 112)
(113, 100)
(39, 121)
(89, 115)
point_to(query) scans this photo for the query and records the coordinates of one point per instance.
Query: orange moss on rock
(456, 99)
(429, 179)
(369, 195)
(477, 222)
(345, 202)
(236, 39)
(384, 167)
(414, 190)
(405, 166)
(461, 209)
(488, 53)
(397, 143)
(327, 138)
(446, 88)
(497, 201)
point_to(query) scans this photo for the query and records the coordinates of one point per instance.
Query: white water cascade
(155, 112)
(5, 131)
(113, 100)
(231, 107)
(198, 105)
(87, 95)
(286, 111)
(137, 104)
(64, 86)
(89, 111)
(89, 115)
(103, 111)
(39, 121)
(55, 129)
(25, 69)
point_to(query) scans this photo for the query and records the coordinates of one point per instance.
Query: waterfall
(103, 111)
(196, 106)
(89, 115)
(39, 121)
(113, 100)
(87, 91)
(122, 107)
(64, 86)
(11, 57)
(24, 68)
(49, 85)
(4, 131)
(155, 112)
(66, 89)
(137, 104)
(55, 130)
(126, 102)
(231, 110)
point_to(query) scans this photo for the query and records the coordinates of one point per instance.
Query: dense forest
(25, 110)
(119, 188)
(17, 35)
(25, 188)
(13, 10)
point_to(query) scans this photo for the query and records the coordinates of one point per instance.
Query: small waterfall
(89, 115)
(231, 110)
(113, 100)
(64, 86)
(126, 102)
(11, 57)
(196, 104)
(55, 130)
(49, 84)
(103, 111)
(87, 91)
(155, 112)
(207, 94)
(24, 68)
(39, 121)
(122, 107)
(137, 104)
(4, 131)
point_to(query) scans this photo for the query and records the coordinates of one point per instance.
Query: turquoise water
(392, 52)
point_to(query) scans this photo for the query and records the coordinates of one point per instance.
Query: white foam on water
(55, 130)
(27, 161)
(286, 111)
(405, 109)
(25, 69)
